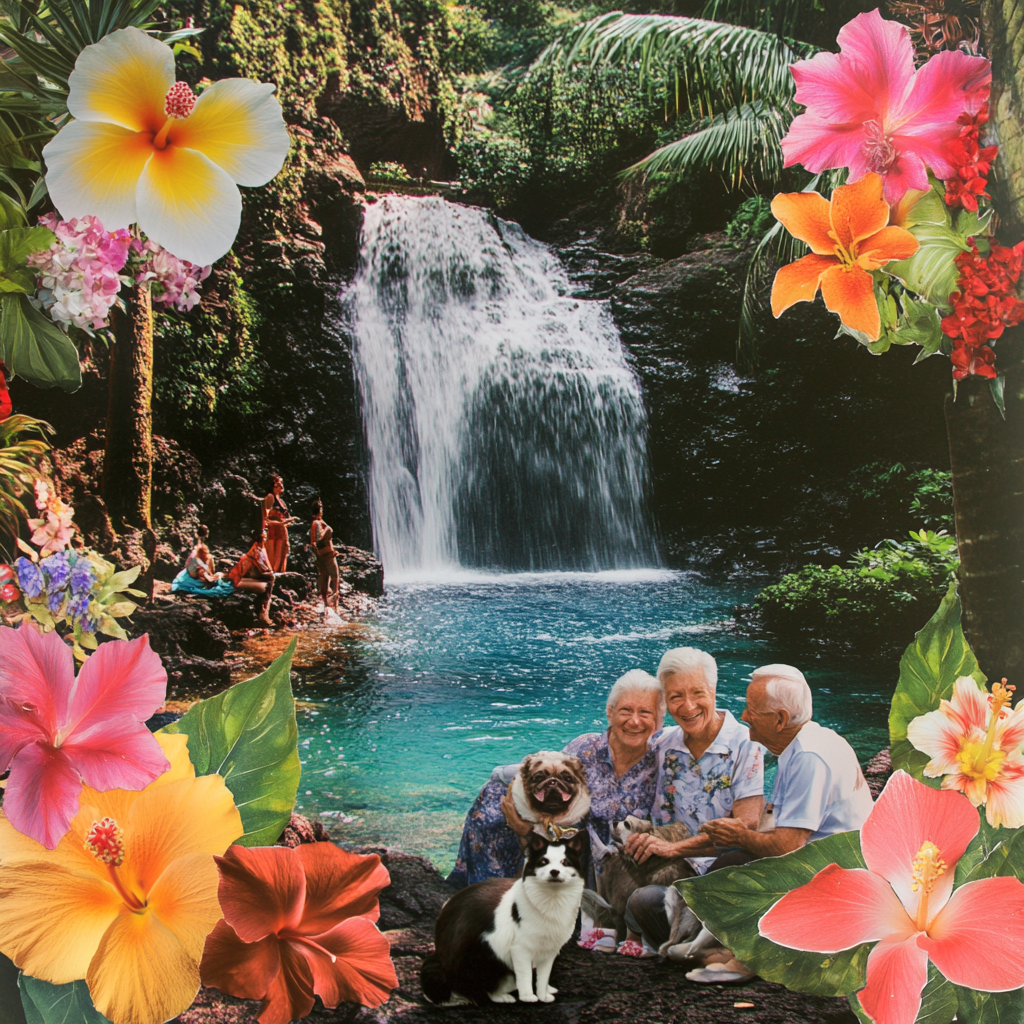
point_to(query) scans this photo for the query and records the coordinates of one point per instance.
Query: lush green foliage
(930, 666)
(560, 135)
(248, 735)
(903, 496)
(878, 600)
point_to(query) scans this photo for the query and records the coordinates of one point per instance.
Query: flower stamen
(178, 104)
(878, 146)
(105, 841)
(928, 866)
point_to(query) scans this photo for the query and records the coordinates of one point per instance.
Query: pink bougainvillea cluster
(53, 529)
(79, 274)
(175, 282)
(985, 305)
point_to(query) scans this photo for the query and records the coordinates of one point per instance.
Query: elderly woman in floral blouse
(621, 768)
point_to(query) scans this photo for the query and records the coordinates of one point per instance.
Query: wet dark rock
(301, 830)
(162, 718)
(184, 626)
(361, 570)
(750, 468)
(877, 771)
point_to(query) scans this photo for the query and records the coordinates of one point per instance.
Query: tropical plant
(20, 454)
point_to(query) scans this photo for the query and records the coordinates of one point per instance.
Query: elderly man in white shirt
(819, 788)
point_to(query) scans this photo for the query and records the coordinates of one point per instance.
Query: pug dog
(551, 791)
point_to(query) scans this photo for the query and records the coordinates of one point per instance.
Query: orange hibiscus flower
(849, 238)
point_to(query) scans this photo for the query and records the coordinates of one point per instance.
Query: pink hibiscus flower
(868, 110)
(57, 732)
(906, 903)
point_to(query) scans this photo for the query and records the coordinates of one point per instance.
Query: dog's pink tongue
(565, 797)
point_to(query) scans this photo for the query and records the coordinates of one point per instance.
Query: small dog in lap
(551, 790)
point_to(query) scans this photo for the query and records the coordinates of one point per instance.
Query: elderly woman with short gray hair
(621, 768)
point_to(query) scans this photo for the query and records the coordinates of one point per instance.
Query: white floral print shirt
(696, 790)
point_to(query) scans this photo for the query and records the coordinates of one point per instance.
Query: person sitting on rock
(254, 573)
(198, 576)
(326, 558)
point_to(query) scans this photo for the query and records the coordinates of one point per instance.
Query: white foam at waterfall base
(505, 428)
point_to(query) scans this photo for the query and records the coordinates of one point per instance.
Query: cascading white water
(505, 429)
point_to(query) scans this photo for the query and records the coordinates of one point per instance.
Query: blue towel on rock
(185, 584)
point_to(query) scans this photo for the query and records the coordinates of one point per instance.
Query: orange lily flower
(849, 238)
(129, 894)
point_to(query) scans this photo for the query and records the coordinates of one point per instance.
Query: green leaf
(998, 387)
(44, 1003)
(35, 348)
(929, 667)
(249, 735)
(1006, 858)
(731, 902)
(920, 325)
(15, 246)
(11, 213)
(932, 270)
(989, 1007)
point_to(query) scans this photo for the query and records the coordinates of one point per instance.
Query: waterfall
(504, 427)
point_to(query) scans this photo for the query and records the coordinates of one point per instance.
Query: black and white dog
(490, 936)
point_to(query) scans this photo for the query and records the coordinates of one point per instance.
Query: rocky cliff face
(751, 469)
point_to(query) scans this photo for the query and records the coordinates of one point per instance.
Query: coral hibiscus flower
(56, 730)
(848, 238)
(299, 922)
(868, 110)
(144, 149)
(129, 895)
(974, 742)
(906, 903)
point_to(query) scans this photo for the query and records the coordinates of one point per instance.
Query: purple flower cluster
(30, 577)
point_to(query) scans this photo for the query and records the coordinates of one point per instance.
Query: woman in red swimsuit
(276, 522)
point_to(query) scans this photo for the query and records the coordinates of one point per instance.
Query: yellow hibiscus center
(928, 865)
(105, 841)
(983, 761)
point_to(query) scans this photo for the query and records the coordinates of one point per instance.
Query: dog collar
(557, 833)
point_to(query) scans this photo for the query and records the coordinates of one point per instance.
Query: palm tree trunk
(987, 451)
(128, 458)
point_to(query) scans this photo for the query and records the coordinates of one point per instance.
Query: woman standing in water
(276, 522)
(320, 540)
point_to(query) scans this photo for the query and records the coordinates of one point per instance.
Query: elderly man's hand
(642, 845)
(725, 831)
(519, 825)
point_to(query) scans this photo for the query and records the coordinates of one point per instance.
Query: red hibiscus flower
(298, 922)
(6, 407)
(906, 903)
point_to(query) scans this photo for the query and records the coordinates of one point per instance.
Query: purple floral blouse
(490, 849)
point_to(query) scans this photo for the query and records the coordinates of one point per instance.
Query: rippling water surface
(461, 674)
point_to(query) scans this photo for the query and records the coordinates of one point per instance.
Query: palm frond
(743, 144)
(776, 248)
(782, 17)
(20, 456)
(722, 66)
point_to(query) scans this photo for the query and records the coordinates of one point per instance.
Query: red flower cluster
(984, 306)
(6, 408)
(972, 163)
(8, 591)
